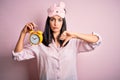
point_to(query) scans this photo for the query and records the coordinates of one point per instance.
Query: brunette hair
(48, 34)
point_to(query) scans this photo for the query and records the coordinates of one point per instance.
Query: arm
(20, 43)
(86, 37)
(66, 36)
(28, 27)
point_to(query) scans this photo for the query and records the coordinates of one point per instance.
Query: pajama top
(56, 63)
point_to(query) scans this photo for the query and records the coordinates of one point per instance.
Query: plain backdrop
(83, 16)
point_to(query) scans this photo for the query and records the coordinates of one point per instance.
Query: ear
(51, 8)
(54, 5)
(62, 4)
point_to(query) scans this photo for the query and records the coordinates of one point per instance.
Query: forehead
(56, 17)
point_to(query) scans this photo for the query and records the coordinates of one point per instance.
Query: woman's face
(56, 23)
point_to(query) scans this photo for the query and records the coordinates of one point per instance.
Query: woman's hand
(28, 27)
(66, 36)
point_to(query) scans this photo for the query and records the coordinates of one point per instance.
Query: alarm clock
(35, 37)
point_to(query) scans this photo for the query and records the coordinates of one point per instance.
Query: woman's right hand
(28, 27)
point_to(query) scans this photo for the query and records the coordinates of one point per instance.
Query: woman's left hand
(66, 36)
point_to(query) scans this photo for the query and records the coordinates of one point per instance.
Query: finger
(64, 33)
(63, 36)
(30, 26)
(33, 24)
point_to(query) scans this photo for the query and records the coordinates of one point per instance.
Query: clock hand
(34, 38)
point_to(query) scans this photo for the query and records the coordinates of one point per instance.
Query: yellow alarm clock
(35, 37)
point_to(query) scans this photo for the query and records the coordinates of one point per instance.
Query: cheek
(51, 24)
(61, 25)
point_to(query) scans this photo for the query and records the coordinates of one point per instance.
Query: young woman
(56, 55)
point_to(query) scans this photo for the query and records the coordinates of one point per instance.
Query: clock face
(34, 39)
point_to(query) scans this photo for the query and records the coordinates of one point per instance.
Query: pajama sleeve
(26, 53)
(83, 46)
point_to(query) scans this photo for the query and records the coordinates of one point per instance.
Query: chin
(56, 31)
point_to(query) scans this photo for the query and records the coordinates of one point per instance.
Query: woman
(56, 55)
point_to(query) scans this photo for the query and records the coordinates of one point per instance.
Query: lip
(55, 28)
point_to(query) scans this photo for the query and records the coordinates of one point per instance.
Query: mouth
(55, 28)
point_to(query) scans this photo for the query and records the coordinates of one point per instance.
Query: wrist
(74, 35)
(22, 34)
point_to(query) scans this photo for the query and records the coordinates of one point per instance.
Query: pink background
(84, 16)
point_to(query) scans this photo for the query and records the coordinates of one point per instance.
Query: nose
(56, 22)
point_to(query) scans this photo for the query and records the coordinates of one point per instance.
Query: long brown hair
(48, 34)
